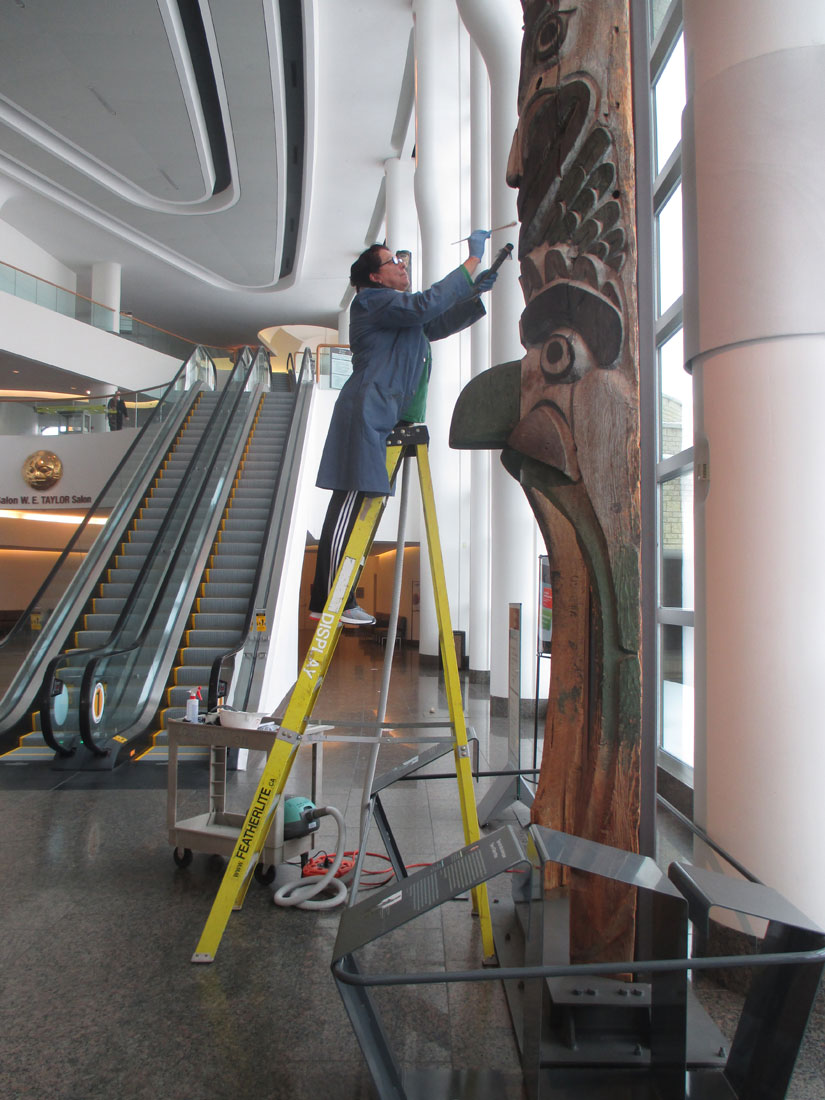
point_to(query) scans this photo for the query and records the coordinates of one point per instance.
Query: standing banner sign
(545, 605)
(514, 684)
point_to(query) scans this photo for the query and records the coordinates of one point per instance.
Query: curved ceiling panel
(124, 113)
(104, 90)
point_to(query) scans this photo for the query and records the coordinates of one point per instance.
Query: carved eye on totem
(550, 34)
(565, 357)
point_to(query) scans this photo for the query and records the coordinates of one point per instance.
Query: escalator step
(221, 605)
(233, 621)
(210, 638)
(226, 588)
(200, 655)
(121, 588)
(88, 639)
(219, 576)
(226, 557)
(240, 536)
(100, 621)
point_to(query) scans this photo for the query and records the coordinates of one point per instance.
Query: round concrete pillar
(754, 321)
(106, 296)
(495, 28)
(438, 182)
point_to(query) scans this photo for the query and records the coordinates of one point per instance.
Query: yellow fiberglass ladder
(407, 442)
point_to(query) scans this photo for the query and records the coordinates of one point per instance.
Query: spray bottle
(192, 705)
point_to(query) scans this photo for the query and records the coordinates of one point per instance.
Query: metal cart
(216, 831)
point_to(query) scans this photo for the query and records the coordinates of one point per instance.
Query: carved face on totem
(572, 246)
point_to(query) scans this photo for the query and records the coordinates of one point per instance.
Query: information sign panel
(405, 899)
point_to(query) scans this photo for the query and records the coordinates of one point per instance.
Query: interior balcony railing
(59, 416)
(31, 288)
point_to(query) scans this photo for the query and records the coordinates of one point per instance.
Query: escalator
(189, 608)
(71, 583)
(220, 617)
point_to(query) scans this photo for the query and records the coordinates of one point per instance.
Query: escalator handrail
(81, 527)
(111, 649)
(186, 488)
(15, 696)
(215, 672)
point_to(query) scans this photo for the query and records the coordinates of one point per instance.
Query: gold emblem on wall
(42, 470)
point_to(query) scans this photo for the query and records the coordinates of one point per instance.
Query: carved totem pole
(566, 418)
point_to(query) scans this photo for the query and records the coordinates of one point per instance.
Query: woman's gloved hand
(485, 281)
(477, 241)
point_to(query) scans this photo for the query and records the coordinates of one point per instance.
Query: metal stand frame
(585, 1031)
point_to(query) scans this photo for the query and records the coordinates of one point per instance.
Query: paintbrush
(509, 225)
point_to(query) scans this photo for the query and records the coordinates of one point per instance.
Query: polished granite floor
(101, 1002)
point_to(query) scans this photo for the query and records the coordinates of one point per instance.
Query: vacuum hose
(300, 893)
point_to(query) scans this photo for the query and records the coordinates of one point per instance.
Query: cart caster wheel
(182, 856)
(264, 877)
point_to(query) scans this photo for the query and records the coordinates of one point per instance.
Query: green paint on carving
(488, 408)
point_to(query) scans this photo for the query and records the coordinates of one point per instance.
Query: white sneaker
(352, 616)
(357, 616)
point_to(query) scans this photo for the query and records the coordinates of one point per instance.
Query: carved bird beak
(487, 409)
(487, 417)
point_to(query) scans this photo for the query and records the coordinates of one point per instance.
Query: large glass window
(676, 542)
(668, 104)
(675, 399)
(669, 237)
(676, 682)
(674, 472)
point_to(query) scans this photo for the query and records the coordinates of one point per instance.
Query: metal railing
(43, 417)
(267, 576)
(31, 288)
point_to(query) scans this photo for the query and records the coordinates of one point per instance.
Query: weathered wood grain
(575, 448)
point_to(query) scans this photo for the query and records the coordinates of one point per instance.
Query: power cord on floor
(318, 864)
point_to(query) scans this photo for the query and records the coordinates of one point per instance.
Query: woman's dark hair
(367, 264)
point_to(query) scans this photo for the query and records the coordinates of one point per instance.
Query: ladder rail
(452, 683)
(260, 816)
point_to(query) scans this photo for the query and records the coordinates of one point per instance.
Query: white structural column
(343, 326)
(438, 200)
(402, 234)
(478, 638)
(402, 223)
(106, 292)
(495, 27)
(754, 162)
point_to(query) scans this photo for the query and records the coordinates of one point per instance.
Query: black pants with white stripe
(338, 524)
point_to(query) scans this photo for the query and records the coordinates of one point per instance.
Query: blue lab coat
(390, 332)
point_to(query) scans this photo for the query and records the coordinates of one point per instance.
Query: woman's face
(392, 272)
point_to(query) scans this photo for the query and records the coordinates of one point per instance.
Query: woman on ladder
(390, 334)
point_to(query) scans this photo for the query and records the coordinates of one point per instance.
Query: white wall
(17, 418)
(20, 252)
(754, 317)
(88, 460)
(38, 333)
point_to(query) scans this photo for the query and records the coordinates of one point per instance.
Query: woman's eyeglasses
(392, 260)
